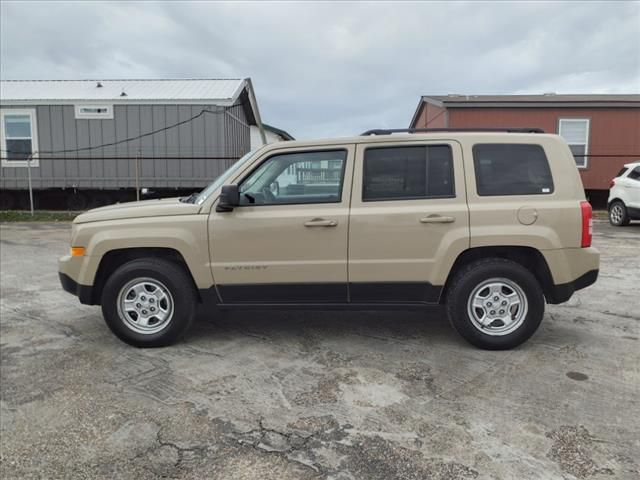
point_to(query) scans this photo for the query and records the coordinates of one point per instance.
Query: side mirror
(275, 188)
(229, 198)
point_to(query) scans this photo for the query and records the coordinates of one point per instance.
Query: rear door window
(511, 169)
(407, 173)
(634, 174)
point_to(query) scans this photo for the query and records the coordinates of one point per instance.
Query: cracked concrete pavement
(313, 395)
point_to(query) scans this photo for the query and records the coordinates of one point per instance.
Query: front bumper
(68, 267)
(83, 292)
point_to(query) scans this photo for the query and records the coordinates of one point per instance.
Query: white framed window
(576, 133)
(18, 137)
(94, 111)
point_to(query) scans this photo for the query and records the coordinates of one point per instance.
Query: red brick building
(603, 131)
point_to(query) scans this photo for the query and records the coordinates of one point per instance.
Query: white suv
(624, 195)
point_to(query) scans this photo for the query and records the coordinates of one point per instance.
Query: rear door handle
(320, 222)
(437, 219)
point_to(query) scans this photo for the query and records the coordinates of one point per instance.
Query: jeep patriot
(492, 224)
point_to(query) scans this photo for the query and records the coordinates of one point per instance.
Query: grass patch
(38, 216)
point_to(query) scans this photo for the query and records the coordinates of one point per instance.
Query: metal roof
(278, 131)
(207, 91)
(546, 100)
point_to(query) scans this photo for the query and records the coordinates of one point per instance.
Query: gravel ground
(306, 395)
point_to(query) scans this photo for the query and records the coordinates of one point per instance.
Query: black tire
(473, 275)
(618, 215)
(177, 282)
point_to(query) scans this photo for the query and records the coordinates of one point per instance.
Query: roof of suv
(448, 135)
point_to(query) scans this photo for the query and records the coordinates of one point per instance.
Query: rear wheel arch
(113, 259)
(613, 200)
(530, 258)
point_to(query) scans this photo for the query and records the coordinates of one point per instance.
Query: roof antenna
(123, 94)
(98, 85)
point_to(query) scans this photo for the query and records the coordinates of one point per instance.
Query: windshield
(218, 182)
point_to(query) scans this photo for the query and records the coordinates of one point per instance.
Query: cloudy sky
(333, 68)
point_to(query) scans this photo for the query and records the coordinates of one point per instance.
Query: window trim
(96, 116)
(585, 164)
(31, 112)
(297, 152)
(403, 199)
(475, 170)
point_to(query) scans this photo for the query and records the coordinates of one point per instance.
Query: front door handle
(320, 222)
(437, 219)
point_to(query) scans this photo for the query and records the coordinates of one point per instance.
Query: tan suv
(491, 224)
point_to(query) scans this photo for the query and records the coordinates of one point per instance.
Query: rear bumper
(563, 292)
(634, 213)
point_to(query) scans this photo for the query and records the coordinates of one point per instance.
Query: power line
(131, 139)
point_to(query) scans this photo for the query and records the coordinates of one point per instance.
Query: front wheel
(495, 304)
(149, 302)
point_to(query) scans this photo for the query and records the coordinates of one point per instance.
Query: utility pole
(138, 176)
(30, 186)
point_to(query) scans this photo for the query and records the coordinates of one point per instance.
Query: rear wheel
(618, 215)
(149, 302)
(495, 304)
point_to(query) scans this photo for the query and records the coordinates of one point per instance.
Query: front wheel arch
(128, 312)
(114, 259)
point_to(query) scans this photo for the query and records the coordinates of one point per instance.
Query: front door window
(296, 178)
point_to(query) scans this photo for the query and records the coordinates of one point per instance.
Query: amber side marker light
(77, 251)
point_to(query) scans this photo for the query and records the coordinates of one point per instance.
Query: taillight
(612, 183)
(587, 224)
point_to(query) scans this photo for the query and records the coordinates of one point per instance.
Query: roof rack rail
(389, 131)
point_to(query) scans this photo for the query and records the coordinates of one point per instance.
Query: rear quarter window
(511, 169)
(622, 171)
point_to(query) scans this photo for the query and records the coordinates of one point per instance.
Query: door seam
(353, 170)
